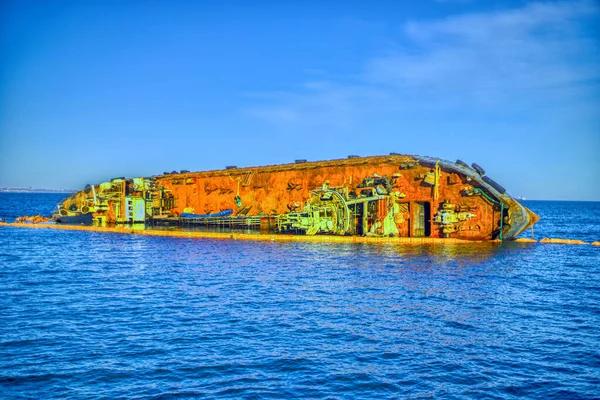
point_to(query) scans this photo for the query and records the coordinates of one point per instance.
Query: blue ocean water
(100, 315)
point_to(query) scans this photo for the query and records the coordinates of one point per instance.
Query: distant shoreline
(36, 191)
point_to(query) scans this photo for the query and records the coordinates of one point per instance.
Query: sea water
(101, 315)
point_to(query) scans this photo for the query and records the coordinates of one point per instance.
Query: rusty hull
(394, 195)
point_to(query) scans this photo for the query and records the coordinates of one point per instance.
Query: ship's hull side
(393, 195)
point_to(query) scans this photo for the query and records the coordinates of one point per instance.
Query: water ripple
(89, 315)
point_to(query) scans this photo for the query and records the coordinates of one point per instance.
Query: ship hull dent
(395, 195)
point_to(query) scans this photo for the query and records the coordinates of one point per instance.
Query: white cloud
(508, 23)
(538, 51)
(317, 102)
(538, 46)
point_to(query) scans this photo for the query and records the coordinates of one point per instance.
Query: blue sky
(91, 90)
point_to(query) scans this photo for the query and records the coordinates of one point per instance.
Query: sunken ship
(392, 195)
